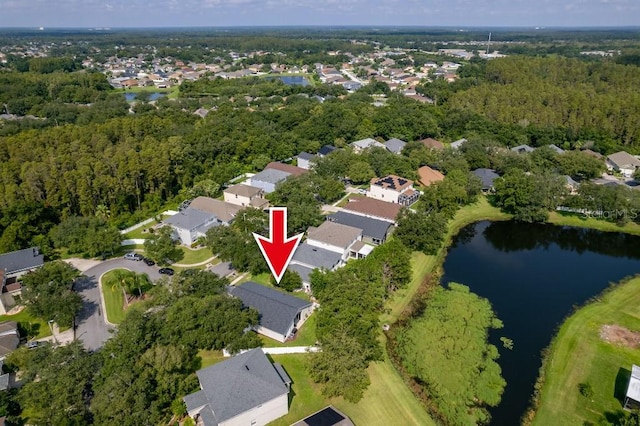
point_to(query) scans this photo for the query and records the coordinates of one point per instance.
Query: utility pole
(488, 43)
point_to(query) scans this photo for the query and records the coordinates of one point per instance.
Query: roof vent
(247, 367)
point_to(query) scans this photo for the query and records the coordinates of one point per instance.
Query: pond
(533, 275)
(130, 96)
(293, 80)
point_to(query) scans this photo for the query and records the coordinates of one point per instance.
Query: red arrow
(278, 249)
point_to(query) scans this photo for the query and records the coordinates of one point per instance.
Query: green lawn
(208, 358)
(195, 256)
(113, 299)
(306, 336)
(139, 233)
(578, 355)
(38, 327)
(573, 219)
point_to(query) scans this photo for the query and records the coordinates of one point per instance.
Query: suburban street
(92, 329)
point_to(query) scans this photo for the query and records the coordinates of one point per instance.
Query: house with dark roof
(202, 214)
(326, 150)
(520, 149)
(268, 179)
(280, 314)
(374, 231)
(486, 176)
(395, 145)
(370, 207)
(9, 338)
(308, 257)
(13, 265)
(328, 416)
(246, 389)
(393, 189)
(304, 160)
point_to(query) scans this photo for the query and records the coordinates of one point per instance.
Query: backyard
(34, 327)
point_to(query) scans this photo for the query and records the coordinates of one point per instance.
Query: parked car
(32, 345)
(148, 261)
(166, 271)
(133, 256)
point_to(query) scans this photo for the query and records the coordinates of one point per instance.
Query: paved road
(92, 329)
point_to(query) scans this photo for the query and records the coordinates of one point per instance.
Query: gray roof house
(556, 148)
(487, 176)
(246, 389)
(20, 262)
(395, 145)
(268, 179)
(279, 312)
(623, 162)
(9, 338)
(374, 231)
(457, 144)
(191, 224)
(522, 148)
(334, 237)
(304, 160)
(326, 150)
(306, 258)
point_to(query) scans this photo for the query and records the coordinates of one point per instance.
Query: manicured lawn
(578, 355)
(306, 336)
(195, 256)
(138, 233)
(208, 358)
(29, 322)
(573, 219)
(113, 299)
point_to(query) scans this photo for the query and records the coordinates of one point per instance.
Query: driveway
(91, 327)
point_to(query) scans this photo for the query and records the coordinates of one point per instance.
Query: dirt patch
(619, 335)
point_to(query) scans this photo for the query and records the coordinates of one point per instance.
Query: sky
(186, 13)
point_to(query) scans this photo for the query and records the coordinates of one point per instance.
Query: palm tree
(103, 212)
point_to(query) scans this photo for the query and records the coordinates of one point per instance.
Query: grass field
(208, 358)
(578, 355)
(195, 256)
(306, 336)
(29, 322)
(138, 233)
(113, 299)
(573, 219)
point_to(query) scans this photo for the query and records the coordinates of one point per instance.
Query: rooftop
(624, 159)
(189, 218)
(367, 143)
(372, 207)
(334, 234)
(392, 182)
(21, 260)
(222, 210)
(243, 190)
(429, 175)
(315, 256)
(288, 168)
(270, 176)
(395, 145)
(306, 156)
(277, 310)
(236, 385)
(374, 228)
(432, 143)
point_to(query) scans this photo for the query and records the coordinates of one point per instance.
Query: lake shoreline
(468, 215)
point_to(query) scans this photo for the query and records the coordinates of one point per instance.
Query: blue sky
(144, 13)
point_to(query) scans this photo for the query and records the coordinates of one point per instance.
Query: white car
(133, 256)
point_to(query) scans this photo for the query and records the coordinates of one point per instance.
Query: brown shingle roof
(429, 176)
(334, 234)
(432, 143)
(288, 168)
(373, 208)
(223, 211)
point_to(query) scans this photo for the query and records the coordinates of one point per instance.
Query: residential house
(280, 314)
(304, 160)
(623, 162)
(9, 338)
(522, 149)
(328, 416)
(307, 257)
(246, 389)
(13, 265)
(351, 85)
(334, 237)
(395, 145)
(326, 150)
(593, 154)
(376, 209)
(431, 143)
(202, 214)
(458, 144)
(287, 168)
(245, 196)
(374, 231)
(393, 189)
(268, 179)
(427, 176)
(632, 396)
(362, 144)
(556, 149)
(571, 184)
(486, 176)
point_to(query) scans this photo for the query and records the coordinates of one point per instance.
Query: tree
(161, 247)
(360, 172)
(130, 282)
(290, 281)
(48, 293)
(422, 231)
(198, 283)
(340, 367)
(86, 235)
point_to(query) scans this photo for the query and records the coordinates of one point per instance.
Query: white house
(393, 189)
(334, 237)
(623, 162)
(202, 214)
(246, 389)
(304, 160)
(361, 145)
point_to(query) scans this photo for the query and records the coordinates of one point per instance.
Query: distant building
(487, 177)
(395, 145)
(520, 149)
(393, 189)
(429, 176)
(304, 160)
(245, 196)
(268, 179)
(623, 162)
(458, 144)
(362, 144)
(431, 143)
(326, 150)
